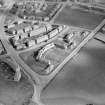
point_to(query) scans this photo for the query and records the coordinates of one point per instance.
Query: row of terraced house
(33, 34)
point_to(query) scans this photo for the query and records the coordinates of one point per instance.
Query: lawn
(15, 93)
(82, 79)
(79, 18)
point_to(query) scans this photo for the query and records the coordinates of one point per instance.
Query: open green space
(15, 93)
(79, 18)
(82, 79)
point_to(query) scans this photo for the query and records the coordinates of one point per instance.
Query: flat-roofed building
(35, 26)
(1, 48)
(60, 28)
(38, 31)
(27, 29)
(24, 35)
(48, 27)
(44, 49)
(31, 43)
(9, 26)
(41, 39)
(20, 31)
(16, 37)
(53, 33)
(19, 47)
(11, 31)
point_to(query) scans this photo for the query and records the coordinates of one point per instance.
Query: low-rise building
(10, 26)
(103, 29)
(20, 46)
(31, 43)
(46, 18)
(49, 69)
(27, 29)
(48, 27)
(85, 33)
(61, 44)
(53, 33)
(68, 36)
(14, 42)
(24, 35)
(20, 21)
(60, 28)
(32, 33)
(20, 31)
(35, 26)
(44, 49)
(38, 31)
(11, 31)
(1, 48)
(16, 37)
(42, 38)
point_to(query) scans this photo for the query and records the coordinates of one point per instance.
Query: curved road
(10, 51)
(38, 81)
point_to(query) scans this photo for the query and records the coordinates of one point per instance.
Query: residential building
(44, 49)
(60, 28)
(9, 26)
(35, 26)
(11, 31)
(27, 29)
(38, 31)
(31, 43)
(42, 38)
(53, 33)
(48, 27)
(20, 31)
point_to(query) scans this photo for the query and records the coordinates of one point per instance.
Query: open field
(56, 55)
(82, 79)
(36, 66)
(79, 18)
(15, 93)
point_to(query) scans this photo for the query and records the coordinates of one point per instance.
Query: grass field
(15, 93)
(79, 18)
(82, 80)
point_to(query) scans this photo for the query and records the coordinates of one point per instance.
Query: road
(10, 51)
(39, 81)
(47, 79)
(82, 80)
